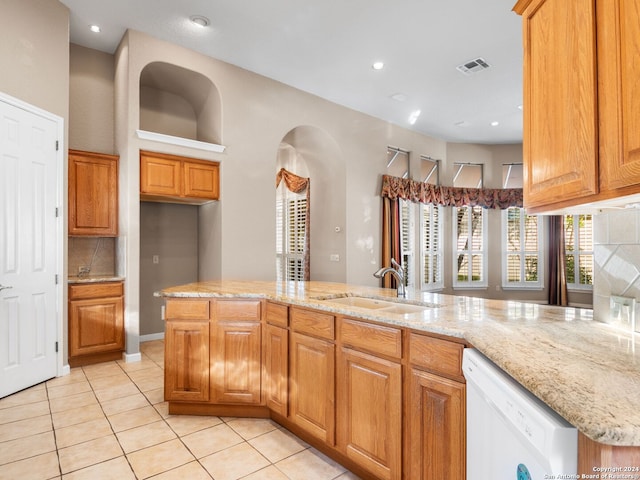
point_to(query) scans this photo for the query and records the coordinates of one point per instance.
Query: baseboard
(151, 337)
(66, 370)
(131, 357)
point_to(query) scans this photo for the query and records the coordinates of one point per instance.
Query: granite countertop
(587, 371)
(94, 279)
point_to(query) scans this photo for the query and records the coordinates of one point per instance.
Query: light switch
(156, 259)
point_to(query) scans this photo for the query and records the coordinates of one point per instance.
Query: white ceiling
(327, 47)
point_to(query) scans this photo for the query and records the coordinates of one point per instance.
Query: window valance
(419, 192)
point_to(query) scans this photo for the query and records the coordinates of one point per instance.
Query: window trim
(469, 285)
(579, 287)
(432, 286)
(522, 285)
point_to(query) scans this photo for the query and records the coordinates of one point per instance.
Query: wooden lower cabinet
(186, 372)
(312, 384)
(236, 363)
(276, 365)
(96, 322)
(370, 412)
(436, 413)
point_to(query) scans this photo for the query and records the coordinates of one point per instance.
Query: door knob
(4, 287)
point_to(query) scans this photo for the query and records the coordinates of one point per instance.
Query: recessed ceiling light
(414, 116)
(378, 65)
(495, 124)
(94, 28)
(200, 20)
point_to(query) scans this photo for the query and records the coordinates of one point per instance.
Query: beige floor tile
(40, 467)
(155, 396)
(150, 383)
(30, 395)
(82, 432)
(159, 458)
(124, 404)
(69, 389)
(73, 417)
(101, 370)
(115, 469)
(143, 364)
(211, 440)
(78, 400)
(235, 462)
(27, 447)
(76, 375)
(134, 418)
(186, 424)
(278, 445)
(145, 436)
(250, 428)
(162, 409)
(310, 465)
(24, 428)
(21, 412)
(151, 371)
(190, 471)
(348, 476)
(269, 473)
(112, 381)
(124, 390)
(89, 453)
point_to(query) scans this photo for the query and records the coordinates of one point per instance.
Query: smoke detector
(473, 66)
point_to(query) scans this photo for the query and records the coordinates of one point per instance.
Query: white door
(29, 241)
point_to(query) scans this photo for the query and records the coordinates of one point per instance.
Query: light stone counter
(94, 279)
(587, 371)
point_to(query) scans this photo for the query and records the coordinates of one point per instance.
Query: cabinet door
(277, 368)
(619, 92)
(160, 175)
(93, 194)
(312, 380)
(96, 326)
(370, 412)
(560, 136)
(236, 362)
(186, 369)
(201, 180)
(436, 422)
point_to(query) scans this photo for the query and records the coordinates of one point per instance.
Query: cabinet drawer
(376, 339)
(95, 290)
(277, 314)
(436, 355)
(187, 309)
(313, 323)
(237, 310)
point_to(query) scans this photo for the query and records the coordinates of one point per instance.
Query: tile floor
(109, 421)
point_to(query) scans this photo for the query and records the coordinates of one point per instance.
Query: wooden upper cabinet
(560, 138)
(619, 92)
(581, 141)
(93, 194)
(171, 178)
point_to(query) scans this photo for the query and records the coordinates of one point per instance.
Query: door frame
(61, 222)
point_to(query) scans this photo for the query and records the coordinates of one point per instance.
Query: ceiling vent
(473, 66)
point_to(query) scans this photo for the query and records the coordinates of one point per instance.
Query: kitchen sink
(387, 306)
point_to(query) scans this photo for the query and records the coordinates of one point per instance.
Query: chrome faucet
(397, 271)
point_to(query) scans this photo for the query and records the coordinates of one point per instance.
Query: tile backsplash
(97, 253)
(617, 259)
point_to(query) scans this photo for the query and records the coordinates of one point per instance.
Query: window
(407, 229)
(470, 259)
(522, 259)
(578, 239)
(430, 231)
(469, 233)
(291, 213)
(397, 162)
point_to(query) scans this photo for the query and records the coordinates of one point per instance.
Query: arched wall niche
(180, 102)
(311, 152)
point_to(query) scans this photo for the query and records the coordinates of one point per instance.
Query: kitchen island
(587, 371)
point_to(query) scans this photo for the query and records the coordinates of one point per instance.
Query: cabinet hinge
(56, 347)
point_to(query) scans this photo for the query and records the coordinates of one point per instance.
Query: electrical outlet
(622, 311)
(156, 259)
(334, 257)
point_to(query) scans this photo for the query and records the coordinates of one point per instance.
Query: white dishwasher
(511, 434)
